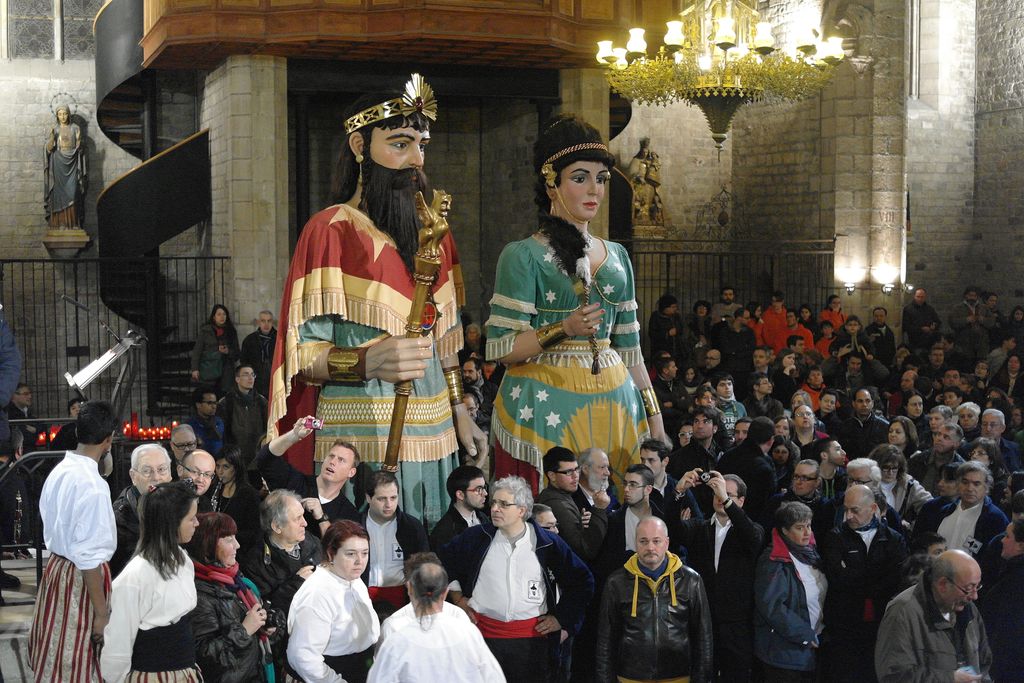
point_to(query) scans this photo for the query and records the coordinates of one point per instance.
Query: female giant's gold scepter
(421, 320)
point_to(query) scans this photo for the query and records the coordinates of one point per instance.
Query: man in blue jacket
(503, 575)
(969, 523)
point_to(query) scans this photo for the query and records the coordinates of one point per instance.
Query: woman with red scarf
(229, 624)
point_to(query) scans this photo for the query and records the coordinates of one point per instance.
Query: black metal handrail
(57, 337)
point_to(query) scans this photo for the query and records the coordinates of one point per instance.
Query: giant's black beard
(389, 199)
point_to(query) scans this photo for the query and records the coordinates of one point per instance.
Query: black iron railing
(57, 336)
(696, 269)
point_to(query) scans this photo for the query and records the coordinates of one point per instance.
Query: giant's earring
(549, 175)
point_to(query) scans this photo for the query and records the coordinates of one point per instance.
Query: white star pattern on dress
(608, 289)
(550, 296)
(515, 393)
(526, 413)
(549, 257)
(553, 419)
(542, 395)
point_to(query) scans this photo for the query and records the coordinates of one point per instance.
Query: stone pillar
(863, 146)
(584, 92)
(245, 105)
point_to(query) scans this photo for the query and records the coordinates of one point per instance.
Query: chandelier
(718, 57)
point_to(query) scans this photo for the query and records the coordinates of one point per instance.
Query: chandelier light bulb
(764, 41)
(725, 37)
(674, 36)
(604, 52)
(620, 58)
(636, 46)
(704, 62)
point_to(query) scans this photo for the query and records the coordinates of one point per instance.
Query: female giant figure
(563, 318)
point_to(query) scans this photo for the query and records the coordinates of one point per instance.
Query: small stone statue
(645, 177)
(64, 185)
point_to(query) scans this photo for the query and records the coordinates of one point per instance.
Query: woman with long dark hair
(216, 351)
(235, 496)
(149, 637)
(229, 623)
(331, 624)
(1010, 378)
(903, 434)
(563, 319)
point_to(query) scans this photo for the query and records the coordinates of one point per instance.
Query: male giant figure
(347, 299)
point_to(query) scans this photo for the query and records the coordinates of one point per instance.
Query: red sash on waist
(494, 628)
(393, 595)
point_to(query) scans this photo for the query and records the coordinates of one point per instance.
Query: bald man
(200, 467)
(655, 622)
(861, 559)
(933, 631)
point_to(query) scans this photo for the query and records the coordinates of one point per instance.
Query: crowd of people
(770, 496)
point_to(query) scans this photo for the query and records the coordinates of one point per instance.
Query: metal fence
(55, 336)
(696, 269)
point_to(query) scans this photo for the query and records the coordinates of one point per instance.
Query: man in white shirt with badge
(504, 573)
(72, 606)
(971, 522)
(394, 536)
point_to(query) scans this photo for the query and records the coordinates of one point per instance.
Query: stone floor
(15, 619)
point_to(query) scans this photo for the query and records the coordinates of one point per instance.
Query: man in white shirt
(79, 530)
(504, 573)
(394, 536)
(969, 523)
(430, 635)
(724, 551)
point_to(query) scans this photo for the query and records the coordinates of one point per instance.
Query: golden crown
(418, 98)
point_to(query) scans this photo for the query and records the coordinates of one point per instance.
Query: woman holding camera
(229, 623)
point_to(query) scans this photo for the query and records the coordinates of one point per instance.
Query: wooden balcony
(510, 33)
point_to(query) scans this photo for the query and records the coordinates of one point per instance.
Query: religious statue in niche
(644, 174)
(65, 171)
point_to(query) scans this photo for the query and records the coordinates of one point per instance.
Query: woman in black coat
(216, 351)
(229, 623)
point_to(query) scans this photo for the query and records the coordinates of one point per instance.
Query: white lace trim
(626, 328)
(509, 323)
(626, 306)
(501, 347)
(631, 356)
(513, 304)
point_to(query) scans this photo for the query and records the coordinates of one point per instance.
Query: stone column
(584, 92)
(863, 145)
(245, 105)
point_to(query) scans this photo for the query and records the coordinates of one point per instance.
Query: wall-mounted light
(888, 288)
(850, 287)
(908, 288)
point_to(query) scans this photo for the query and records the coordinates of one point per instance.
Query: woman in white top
(149, 637)
(331, 624)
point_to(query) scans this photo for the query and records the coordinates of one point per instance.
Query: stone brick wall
(691, 170)
(943, 252)
(999, 181)
(245, 107)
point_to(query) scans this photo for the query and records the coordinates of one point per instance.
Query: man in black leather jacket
(655, 622)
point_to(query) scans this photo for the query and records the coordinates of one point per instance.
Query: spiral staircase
(165, 195)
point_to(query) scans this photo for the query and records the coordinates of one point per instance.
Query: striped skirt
(59, 644)
(182, 676)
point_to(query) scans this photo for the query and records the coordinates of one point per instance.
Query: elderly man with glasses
(933, 631)
(150, 465)
(518, 618)
(200, 467)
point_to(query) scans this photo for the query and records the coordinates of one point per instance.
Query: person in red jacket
(774, 331)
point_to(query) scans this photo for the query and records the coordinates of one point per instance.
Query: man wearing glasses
(972, 521)
(151, 465)
(803, 489)
(503, 574)
(183, 441)
(467, 489)
(205, 423)
(583, 530)
(244, 413)
(200, 467)
(933, 631)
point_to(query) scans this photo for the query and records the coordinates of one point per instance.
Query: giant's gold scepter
(433, 220)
